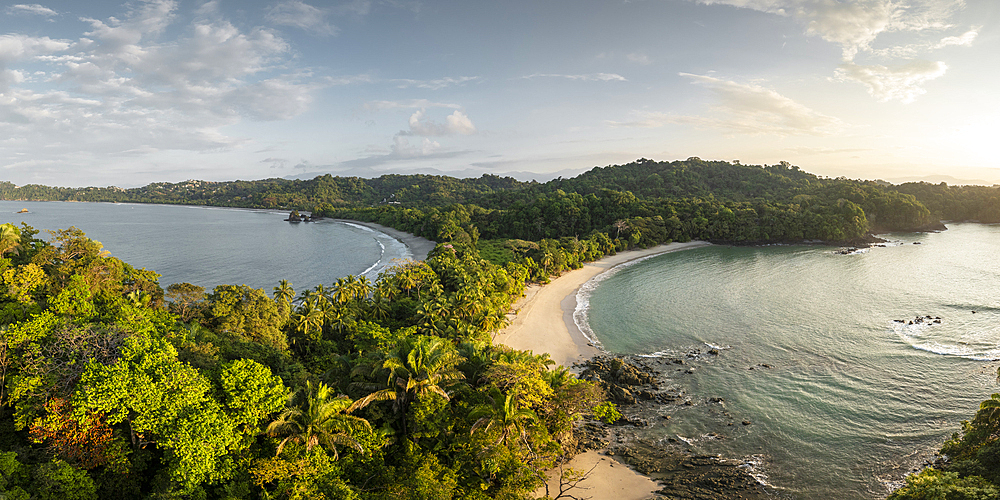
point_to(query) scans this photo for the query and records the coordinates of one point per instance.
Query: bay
(842, 398)
(210, 246)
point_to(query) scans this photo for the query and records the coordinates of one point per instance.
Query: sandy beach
(420, 247)
(544, 323)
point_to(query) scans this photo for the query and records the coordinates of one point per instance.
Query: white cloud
(459, 123)
(409, 104)
(855, 24)
(455, 123)
(965, 39)
(401, 148)
(437, 84)
(33, 9)
(746, 109)
(593, 77)
(301, 15)
(887, 83)
(910, 51)
(17, 47)
(125, 90)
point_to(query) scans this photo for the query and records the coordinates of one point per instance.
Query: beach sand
(418, 246)
(544, 323)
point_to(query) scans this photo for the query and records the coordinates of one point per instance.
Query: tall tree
(418, 365)
(10, 239)
(315, 417)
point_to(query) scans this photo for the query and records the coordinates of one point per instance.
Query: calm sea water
(212, 246)
(852, 399)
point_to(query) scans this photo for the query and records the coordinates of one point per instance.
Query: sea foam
(582, 311)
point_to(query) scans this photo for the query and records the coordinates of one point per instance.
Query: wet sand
(544, 323)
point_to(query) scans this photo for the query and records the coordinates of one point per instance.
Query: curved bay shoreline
(417, 245)
(544, 323)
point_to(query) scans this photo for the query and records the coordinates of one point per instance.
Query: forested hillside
(279, 193)
(555, 225)
(113, 388)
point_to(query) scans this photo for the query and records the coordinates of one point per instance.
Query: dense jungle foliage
(971, 466)
(111, 387)
(713, 200)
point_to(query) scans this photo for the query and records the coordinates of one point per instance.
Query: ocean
(209, 246)
(851, 369)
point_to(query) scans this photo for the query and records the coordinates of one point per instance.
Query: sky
(102, 93)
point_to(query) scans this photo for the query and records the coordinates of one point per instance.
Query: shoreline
(417, 245)
(544, 315)
(544, 323)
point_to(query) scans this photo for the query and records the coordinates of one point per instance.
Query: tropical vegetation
(111, 387)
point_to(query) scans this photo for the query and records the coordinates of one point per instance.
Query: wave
(377, 262)
(582, 310)
(397, 250)
(921, 337)
(754, 466)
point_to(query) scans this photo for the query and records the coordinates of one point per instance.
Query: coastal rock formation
(621, 378)
(643, 390)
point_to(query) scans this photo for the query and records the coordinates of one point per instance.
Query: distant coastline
(418, 246)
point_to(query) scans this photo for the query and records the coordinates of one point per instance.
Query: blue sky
(111, 93)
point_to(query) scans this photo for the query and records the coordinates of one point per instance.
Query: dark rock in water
(714, 352)
(746, 422)
(671, 460)
(621, 395)
(916, 242)
(621, 378)
(646, 395)
(684, 475)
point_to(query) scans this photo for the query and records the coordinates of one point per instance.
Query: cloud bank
(122, 89)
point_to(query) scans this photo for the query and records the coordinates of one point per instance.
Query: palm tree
(417, 366)
(284, 292)
(478, 357)
(619, 225)
(351, 289)
(306, 295)
(433, 316)
(315, 417)
(10, 239)
(309, 319)
(504, 416)
(380, 307)
(335, 315)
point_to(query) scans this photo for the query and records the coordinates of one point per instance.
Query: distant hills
(886, 206)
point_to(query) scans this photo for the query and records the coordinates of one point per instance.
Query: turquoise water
(852, 399)
(212, 246)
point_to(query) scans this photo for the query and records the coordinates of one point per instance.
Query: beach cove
(544, 323)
